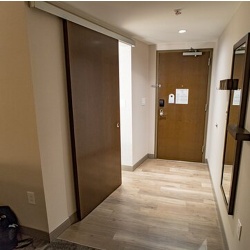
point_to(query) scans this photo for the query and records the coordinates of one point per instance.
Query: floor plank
(161, 205)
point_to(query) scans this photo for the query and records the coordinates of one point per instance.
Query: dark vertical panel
(93, 89)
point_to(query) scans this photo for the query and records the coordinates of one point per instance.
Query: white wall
(237, 28)
(49, 80)
(125, 104)
(134, 102)
(140, 100)
(185, 45)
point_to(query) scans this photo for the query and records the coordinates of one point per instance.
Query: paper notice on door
(236, 97)
(181, 96)
(171, 98)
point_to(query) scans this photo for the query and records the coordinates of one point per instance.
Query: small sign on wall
(182, 96)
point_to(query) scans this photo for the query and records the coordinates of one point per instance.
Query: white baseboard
(60, 229)
(218, 211)
(137, 164)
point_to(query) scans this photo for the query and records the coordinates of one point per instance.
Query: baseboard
(127, 168)
(137, 164)
(60, 229)
(35, 233)
(218, 211)
(151, 156)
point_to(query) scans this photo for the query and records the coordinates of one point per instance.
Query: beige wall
(20, 168)
(49, 80)
(35, 142)
(140, 89)
(237, 28)
(38, 38)
(34, 138)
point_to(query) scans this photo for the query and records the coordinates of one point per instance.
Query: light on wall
(182, 31)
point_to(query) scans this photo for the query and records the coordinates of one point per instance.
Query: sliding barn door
(93, 90)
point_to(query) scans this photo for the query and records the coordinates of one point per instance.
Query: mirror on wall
(235, 132)
(230, 148)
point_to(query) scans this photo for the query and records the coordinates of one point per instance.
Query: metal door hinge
(209, 61)
(156, 86)
(206, 107)
(202, 149)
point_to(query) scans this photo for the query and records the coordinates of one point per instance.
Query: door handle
(161, 114)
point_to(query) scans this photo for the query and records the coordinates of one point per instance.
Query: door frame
(207, 103)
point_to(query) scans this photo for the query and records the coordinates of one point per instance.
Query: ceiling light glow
(182, 31)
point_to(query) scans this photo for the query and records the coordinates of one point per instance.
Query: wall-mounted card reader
(161, 102)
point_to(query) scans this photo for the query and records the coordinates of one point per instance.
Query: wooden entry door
(182, 99)
(93, 91)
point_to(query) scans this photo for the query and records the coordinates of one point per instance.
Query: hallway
(161, 205)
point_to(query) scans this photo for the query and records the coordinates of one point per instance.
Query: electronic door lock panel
(161, 102)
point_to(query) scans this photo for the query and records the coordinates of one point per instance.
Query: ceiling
(156, 22)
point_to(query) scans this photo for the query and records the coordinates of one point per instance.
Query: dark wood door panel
(93, 85)
(180, 132)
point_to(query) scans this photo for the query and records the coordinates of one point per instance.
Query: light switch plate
(143, 101)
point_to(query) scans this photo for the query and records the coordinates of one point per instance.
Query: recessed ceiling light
(182, 31)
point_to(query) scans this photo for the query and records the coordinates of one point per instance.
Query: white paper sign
(171, 98)
(182, 96)
(236, 97)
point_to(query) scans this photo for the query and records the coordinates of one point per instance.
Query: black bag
(8, 228)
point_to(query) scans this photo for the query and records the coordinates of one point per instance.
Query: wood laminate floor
(161, 205)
